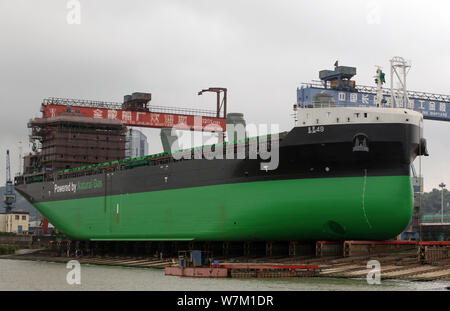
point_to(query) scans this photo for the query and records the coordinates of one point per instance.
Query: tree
(431, 202)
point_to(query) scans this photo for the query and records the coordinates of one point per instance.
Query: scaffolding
(72, 140)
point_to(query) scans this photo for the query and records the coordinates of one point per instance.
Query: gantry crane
(136, 111)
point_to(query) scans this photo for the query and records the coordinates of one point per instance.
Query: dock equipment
(193, 258)
(339, 78)
(96, 129)
(268, 270)
(354, 248)
(431, 252)
(336, 89)
(220, 103)
(137, 102)
(329, 248)
(245, 270)
(195, 263)
(398, 259)
(137, 111)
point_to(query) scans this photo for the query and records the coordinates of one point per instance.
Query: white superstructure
(355, 115)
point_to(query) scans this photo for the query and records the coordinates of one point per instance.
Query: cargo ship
(342, 173)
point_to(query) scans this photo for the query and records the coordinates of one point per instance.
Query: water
(32, 275)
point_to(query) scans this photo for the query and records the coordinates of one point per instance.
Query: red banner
(144, 119)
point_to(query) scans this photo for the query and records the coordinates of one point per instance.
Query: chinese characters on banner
(434, 109)
(144, 119)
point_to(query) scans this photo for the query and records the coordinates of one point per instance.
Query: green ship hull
(338, 208)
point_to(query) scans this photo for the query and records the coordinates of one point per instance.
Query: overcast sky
(260, 50)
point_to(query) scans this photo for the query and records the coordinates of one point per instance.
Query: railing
(185, 111)
(81, 103)
(118, 106)
(319, 105)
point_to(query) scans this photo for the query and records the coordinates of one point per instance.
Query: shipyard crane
(336, 87)
(136, 111)
(9, 197)
(220, 103)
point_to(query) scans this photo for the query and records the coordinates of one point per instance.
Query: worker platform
(194, 263)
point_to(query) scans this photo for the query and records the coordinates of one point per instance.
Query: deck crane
(9, 197)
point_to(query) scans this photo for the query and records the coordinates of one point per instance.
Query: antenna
(20, 157)
(8, 168)
(399, 70)
(379, 80)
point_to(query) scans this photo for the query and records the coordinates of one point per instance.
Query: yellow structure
(16, 222)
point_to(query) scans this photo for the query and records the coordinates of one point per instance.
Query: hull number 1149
(315, 129)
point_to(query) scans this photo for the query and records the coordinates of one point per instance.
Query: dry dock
(398, 260)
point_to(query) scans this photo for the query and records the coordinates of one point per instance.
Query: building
(137, 145)
(72, 140)
(15, 222)
(435, 231)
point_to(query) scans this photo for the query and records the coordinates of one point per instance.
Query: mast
(399, 70)
(379, 80)
(8, 167)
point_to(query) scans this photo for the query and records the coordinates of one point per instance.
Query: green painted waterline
(347, 208)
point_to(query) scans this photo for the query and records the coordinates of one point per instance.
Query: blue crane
(9, 197)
